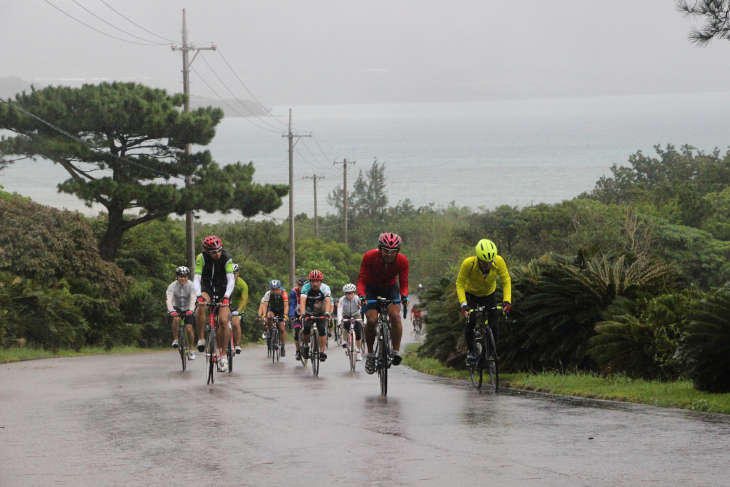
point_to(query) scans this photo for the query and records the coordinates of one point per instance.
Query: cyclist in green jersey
(239, 299)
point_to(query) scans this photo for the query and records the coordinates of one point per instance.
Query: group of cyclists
(383, 274)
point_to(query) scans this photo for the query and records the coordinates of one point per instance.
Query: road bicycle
(351, 344)
(182, 340)
(230, 352)
(313, 345)
(273, 340)
(212, 353)
(383, 344)
(485, 350)
(417, 326)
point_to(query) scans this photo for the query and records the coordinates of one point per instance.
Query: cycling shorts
(214, 292)
(280, 314)
(297, 322)
(188, 320)
(320, 321)
(358, 327)
(392, 293)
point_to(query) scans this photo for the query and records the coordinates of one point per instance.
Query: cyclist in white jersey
(348, 308)
(181, 304)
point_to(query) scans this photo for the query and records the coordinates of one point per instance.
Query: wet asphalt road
(139, 420)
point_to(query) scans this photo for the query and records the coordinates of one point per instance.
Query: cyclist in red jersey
(383, 273)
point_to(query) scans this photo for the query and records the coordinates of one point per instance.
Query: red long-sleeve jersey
(374, 272)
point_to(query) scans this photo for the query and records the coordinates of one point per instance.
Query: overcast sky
(335, 52)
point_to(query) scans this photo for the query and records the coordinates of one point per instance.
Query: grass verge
(679, 394)
(18, 354)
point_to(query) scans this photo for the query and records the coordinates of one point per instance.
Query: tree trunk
(115, 228)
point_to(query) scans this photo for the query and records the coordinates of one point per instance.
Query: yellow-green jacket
(472, 281)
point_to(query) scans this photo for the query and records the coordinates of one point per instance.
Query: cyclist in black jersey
(213, 279)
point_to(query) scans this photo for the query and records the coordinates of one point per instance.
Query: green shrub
(708, 344)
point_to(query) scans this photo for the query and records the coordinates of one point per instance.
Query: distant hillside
(11, 86)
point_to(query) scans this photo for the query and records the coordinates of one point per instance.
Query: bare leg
(236, 321)
(223, 332)
(191, 336)
(396, 328)
(175, 327)
(371, 318)
(282, 332)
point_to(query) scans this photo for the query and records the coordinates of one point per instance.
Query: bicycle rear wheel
(475, 368)
(182, 340)
(314, 351)
(491, 362)
(301, 349)
(230, 353)
(351, 349)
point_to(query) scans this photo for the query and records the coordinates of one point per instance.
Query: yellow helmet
(486, 250)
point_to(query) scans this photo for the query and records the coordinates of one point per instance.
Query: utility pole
(185, 48)
(344, 163)
(292, 261)
(315, 178)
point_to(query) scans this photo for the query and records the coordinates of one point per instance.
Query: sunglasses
(390, 251)
(215, 251)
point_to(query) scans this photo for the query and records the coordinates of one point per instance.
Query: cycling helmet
(235, 267)
(212, 243)
(486, 250)
(316, 275)
(389, 241)
(275, 283)
(302, 281)
(182, 271)
(349, 288)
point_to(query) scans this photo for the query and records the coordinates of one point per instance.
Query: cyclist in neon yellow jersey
(239, 299)
(476, 285)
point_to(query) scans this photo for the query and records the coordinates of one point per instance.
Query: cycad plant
(708, 344)
(444, 324)
(563, 298)
(640, 338)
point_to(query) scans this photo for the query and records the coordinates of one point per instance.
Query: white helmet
(350, 288)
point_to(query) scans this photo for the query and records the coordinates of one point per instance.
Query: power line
(329, 169)
(115, 27)
(234, 96)
(89, 146)
(249, 91)
(133, 23)
(228, 105)
(97, 30)
(320, 148)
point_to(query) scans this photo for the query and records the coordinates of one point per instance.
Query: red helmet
(315, 275)
(212, 243)
(389, 241)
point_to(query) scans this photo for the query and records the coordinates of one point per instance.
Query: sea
(480, 155)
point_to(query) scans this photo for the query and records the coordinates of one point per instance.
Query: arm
(328, 304)
(505, 278)
(286, 304)
(169, 302)
(244, 296)
(362, 277)
(461, 280)
(403, 276)
(198, 274)
(303, 303)
(293, 303)
(191, 303)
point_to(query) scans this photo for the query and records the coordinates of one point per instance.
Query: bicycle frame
(383, 345)
(486, 349)
(212, 352)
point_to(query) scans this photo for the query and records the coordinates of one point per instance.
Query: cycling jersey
(294, 302)
(239, 298)
(278, 303)
(315, 299)
(348, 308)
(213, 274)
(473, 281)
(374, 272)
(181, 297)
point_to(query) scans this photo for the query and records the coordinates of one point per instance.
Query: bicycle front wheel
(182, 340)
(210, 355)
(491, 362)
(384, 359)
(274, 345)
(230, 353)
(351, 350)
(314, 351)
(475, 368)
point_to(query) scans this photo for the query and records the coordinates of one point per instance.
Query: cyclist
(214, 278)
(416, 314)
(315, 304)
(348, 308)
(239, 299)
(275, 303)
(420, 289)
(379, 271)
(295, 312)
(181, 302)
(476, 285)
